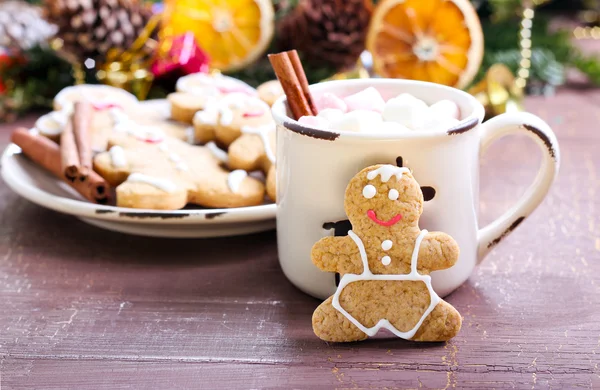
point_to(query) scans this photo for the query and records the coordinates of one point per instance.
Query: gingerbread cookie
(102, 97)
(384, 263)
(184, 105)
(223, 121)
(111, 106)
(255, 150)
(153, 171)
(270, 91)
(198, 83)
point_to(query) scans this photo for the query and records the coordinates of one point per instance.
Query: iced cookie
(164, 173)
(255, 150)
(384, 263)
(184, 105)
(157, 113)
(101, 96)
(270, 91)
(198, 83)
(223, 121)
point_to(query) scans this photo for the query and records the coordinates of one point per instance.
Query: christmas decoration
(31, 80)
(498, 92)
(91, 28)
(430, 40)
(22, 26)
(327, 33)
(180, 56)
(232, 34)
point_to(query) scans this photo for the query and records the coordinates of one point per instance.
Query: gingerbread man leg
(442, 324)
(331, 325)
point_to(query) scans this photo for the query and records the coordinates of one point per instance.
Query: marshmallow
(329, 100)
(406, 110)
(314, 121)
(368, 99)
(445, 108)
(331, 114)
(358, 121)
(438, 123)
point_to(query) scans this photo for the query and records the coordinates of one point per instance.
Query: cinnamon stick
(299, 70)
(82, 119)
(286, 75)
(68, 152)
(47, 154)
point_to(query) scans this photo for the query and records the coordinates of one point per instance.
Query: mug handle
(538, 130)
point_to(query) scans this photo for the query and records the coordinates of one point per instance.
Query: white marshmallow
(367, 99)
(358, 121)
(331, 114)
(330, 100)
(314, 121)
(438, 123)
(445, 108)
(406, 110)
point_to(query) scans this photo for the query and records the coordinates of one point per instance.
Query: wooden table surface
(85, 308)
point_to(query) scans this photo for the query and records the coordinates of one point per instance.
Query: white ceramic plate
(38, 186)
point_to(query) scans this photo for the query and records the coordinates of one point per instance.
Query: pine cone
(328, 33)
(22, 26)
(90, 28)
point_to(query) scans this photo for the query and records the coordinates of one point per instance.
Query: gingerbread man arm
(337, 254)
(438, 251)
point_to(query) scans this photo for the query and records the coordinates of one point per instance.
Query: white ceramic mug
(315, 166)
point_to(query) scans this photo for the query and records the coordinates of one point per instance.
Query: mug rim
(279, 112)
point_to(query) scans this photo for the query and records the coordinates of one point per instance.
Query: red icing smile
(393, 221)
(253, 114)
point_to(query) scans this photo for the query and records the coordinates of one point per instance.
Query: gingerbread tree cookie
(151, 170)
(384, 264)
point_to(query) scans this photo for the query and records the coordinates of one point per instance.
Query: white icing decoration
(174, 157)
(414, 275)
(191, 135)
(393, 194)
(263, 132)
(217, 152)
(369, 191)
(226, 117)
(208, 116)
(386, 245)
(163, 147)
(124, 124)
(161, 184)
(117, 156)
(386, 172)
(386, 260)
(182, 166)
(235, 178)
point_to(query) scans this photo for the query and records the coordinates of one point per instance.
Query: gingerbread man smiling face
(385, 263)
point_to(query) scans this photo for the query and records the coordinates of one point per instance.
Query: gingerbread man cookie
(185, 105)
(198, 83)
(151, 170)
(270, 91)
(255, 150)
(385, 262)
(223, 121)
(111, 106)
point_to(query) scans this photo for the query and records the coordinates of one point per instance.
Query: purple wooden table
(85, 308)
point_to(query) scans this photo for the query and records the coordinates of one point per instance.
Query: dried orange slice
(430, 40)
(233, 33)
